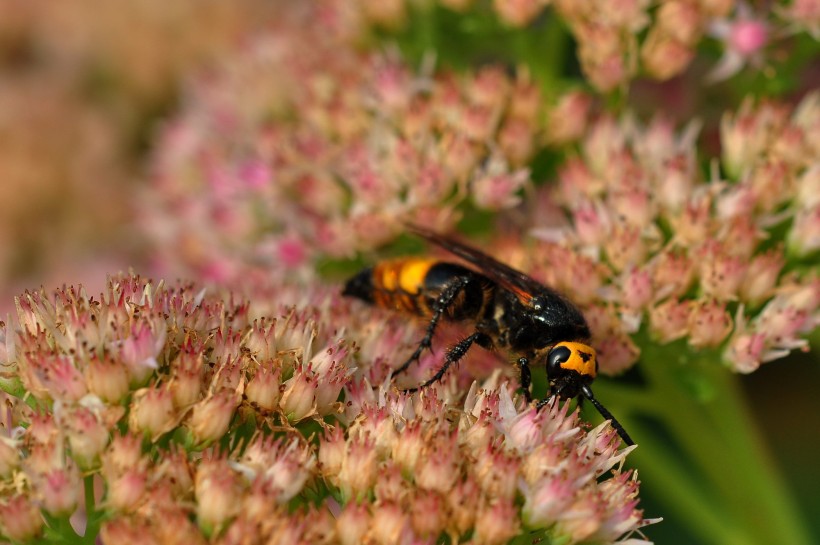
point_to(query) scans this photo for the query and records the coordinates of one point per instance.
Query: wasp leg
(453, 355)
(526, 378)
(445, 299)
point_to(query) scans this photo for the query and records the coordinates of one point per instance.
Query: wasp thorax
(571, 356)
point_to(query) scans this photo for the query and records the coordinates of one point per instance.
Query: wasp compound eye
(556, 357)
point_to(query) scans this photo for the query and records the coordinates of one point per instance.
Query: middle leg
(445, 299)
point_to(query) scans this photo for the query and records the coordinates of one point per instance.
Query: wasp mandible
(509, 310)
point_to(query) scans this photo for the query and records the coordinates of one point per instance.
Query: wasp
(509, 310)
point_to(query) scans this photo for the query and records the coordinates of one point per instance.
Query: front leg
(526, 378)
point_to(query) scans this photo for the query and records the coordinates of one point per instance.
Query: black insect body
(509, 310)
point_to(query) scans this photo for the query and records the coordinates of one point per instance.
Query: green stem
(88, 484)
(716, 475)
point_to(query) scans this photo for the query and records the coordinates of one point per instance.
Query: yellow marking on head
(582, 359)
(412, 274)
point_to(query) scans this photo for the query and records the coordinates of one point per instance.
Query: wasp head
(569, 366)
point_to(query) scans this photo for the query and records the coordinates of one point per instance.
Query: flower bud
(263, 389)
(669, 320)
(218, 494)
(709, 324)
(438, 468)
(59, 491)
(124, 453)
(299, 399)
(353, 523)
(390, 524)
(140, 350)
(107, 379)
(152, 411)
(186, 384)
(359, 470)
(761, 277)
(126, 490)
(332, 450)
(87, 437)
(125, 530)
(212, 416)
(497, 523)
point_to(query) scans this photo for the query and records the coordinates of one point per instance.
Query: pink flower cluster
(302, 146)
(651, 243)
(183, 417)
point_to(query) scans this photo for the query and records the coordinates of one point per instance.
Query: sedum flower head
(302, 146)
(724, 262)
(190, 453)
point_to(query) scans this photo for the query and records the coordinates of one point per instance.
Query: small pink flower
(87, 436)
(746, 351)
(20, 519)
(429, 515)
(139, 351)
(744, 38)
(438, 468)
(497, 188)
(636, 289)
(390, 523)
(60, 376)
(720, 272)
(672, 273)
(497, 522)
(126, 490)
(186, 384)
(123, 453)
(332, 451)
(709, 324)
(59, 491)
(546, 500)
(291, 465)
(568, 119)
(664, 56)
(625, 247)
(353, 524)
(804, 236)
(669, 321)
(218, 492)
(616, 353)
(592, 223)
(761, 277)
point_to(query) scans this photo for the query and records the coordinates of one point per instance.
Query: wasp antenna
(587, 391)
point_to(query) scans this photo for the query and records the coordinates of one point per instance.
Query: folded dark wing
(525, 287)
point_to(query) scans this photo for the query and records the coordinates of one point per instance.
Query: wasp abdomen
(413, 285)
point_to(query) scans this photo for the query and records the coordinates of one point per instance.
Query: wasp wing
(522, 285)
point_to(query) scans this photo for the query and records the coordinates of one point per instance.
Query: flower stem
(706, 460)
